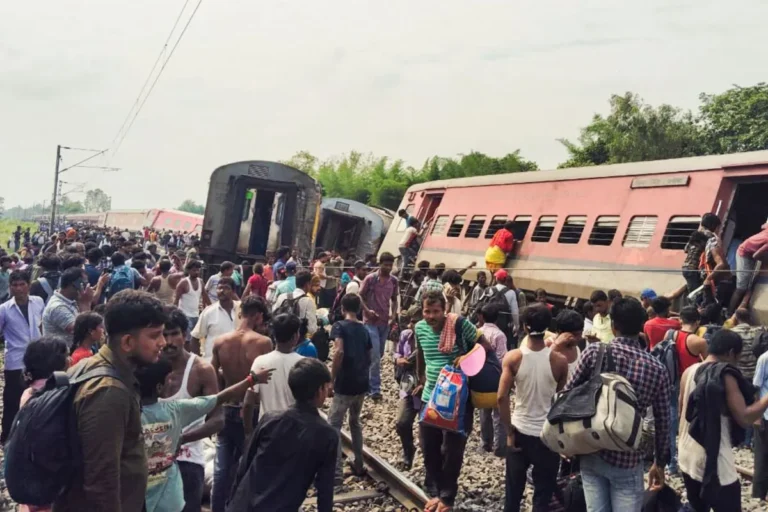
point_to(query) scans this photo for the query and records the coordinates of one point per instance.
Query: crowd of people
(242, 356)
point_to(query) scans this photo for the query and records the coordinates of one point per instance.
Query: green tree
(736, 120)
(67, 206)
(192, 207)
(635, 131)
(97, 201)
(382, 181)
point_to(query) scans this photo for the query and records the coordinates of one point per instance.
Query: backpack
(289, 305)
(666, 353)
(504, 321)
(600, 414)
(322, 343)
(760, 345)
(122, 279)
(42, 453)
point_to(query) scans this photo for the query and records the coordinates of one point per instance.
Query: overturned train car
(352, 228)
(256, 207)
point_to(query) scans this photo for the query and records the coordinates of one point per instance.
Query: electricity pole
(55, 188)
(57, 184)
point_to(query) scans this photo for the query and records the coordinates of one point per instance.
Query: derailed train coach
(255, 207)
(351, 228)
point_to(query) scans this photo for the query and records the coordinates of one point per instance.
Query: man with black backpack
(297, 302)
(105, 466)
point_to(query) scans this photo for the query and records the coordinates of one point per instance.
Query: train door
(428, 207)
(261, 221)
(748, 211)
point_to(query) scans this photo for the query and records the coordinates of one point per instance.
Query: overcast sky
(406, 79)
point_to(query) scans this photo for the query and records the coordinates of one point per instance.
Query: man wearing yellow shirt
(601, 323)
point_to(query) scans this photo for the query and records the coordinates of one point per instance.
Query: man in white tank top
(164, 285)
(189, 292)
(537, 373)
(190, 377)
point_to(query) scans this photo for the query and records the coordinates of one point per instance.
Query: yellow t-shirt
(601, 327)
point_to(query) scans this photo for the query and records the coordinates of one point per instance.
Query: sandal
(432, 505)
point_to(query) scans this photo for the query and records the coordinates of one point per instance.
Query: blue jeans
(191, 322)
(611, 489)
(230, 444)
(378, 334)
(673, 425)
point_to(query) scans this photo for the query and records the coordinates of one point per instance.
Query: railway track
(389, 481)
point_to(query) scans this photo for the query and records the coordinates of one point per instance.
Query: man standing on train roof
(501, 245)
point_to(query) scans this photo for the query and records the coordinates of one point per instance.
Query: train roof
(690, 164)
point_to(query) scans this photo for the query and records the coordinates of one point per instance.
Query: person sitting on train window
(751, 251)
(601, 322)
(656, 328)
(501, 245)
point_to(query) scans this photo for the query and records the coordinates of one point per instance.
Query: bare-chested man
(190, 377)
(163, 286)
(233, 355)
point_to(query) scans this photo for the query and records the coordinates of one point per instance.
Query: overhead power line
(141, 101)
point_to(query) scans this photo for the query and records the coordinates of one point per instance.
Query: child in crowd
(162, 423)
(88, 334)
(43, 357)
(409, 405)
(306, 348)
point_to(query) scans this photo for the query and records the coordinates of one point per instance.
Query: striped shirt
(428, 340)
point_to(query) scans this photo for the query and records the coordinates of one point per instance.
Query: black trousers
(14, 387)
(760, 480)
(406, 414)
(193, 478)
(545, 465)
(727, 498)
(443, 457)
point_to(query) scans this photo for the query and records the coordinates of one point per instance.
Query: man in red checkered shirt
(613, 481)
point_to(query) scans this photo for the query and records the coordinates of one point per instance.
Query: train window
(497, 222)
(401, 224)
(475, 226)
(572, 229)
(604, 230)
(679, 231)
(457, 226)
(543, 230)
(177, 223)
(441, 222)
(640, 231)
(187, 225)
(521, 225)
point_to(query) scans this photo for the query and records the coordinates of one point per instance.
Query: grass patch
(8, 226)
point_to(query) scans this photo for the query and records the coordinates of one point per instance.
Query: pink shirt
(750, 246)
(496, 338)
